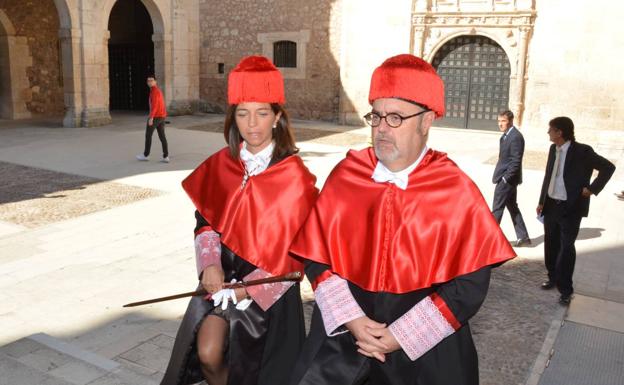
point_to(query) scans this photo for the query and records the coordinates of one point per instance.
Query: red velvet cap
(255, 79)
(411, 78)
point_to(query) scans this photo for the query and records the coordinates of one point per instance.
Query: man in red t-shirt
(156, 120)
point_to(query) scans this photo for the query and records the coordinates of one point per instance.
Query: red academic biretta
(255, 79)
(411, 78)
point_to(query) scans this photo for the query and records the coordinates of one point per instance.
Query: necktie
(555, 173)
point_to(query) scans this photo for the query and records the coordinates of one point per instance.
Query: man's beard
(385, 155)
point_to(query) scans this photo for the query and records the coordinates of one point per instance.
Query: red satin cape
(385, 239)
(259, 220)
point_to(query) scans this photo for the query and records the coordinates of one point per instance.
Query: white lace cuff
(269, 293)
(337, 305)
(421, 328)
(207, 250)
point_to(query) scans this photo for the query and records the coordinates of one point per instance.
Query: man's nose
(383, 126)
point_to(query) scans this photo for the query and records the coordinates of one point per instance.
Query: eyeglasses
(393, 120)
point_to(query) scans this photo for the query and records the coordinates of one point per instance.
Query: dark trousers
(159, 125)
(505, 195)
(560, 231)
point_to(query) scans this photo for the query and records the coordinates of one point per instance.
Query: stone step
(41, 359)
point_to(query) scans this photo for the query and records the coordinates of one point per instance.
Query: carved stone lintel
(485, 19)
(419, 31)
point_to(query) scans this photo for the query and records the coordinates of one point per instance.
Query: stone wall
(230, 30)
(372, 32)
(38, 22)
(575, 67)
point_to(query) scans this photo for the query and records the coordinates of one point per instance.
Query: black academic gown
(261, 344)
(335, 360)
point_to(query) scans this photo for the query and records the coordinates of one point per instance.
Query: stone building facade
(29, 32)
(540, 58)
(562, 57)
(81, 40)
(229, 32)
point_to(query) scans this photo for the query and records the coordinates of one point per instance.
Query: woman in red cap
(251, 198)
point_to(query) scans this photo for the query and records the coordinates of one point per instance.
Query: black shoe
(565, 299)
(522, 242)
(547, 285)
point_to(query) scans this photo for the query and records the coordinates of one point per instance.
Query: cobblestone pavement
(511, 326)
(33, 197)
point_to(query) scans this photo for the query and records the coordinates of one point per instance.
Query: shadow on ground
(32, 196)
(585, 233)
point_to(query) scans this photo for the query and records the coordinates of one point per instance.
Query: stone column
(523, 45)
(72, 81)
(15, 58)
(163, 57)
(418, 33)
(95, 81)
(185, 70)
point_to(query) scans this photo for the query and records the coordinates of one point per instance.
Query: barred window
(285, 54)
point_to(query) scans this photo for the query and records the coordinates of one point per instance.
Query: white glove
(223, 297)
(244, 304)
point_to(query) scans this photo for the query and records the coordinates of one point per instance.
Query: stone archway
(476, 73)
(14, 59)
(70, 37)
(509, 24)
(161, 45)
(130, 55)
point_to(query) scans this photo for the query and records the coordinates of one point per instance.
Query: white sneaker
(165, 160)
(142, 157)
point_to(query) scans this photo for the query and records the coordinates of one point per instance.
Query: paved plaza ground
(85, 228)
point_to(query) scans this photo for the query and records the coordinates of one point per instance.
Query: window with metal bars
(285, 54)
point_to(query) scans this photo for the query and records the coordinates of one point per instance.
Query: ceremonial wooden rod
(294, 276)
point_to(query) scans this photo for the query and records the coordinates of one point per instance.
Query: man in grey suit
(508, 175)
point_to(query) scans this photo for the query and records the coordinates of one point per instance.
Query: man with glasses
(564, 201)
(399, 249)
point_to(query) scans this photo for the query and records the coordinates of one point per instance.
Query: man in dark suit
(508, 175)
(564, 201)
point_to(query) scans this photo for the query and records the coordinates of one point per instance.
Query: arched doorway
(15, 59)
(6, 30)
(476, 71)
(130, 55)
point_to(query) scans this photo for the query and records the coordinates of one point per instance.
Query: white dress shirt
(399, 178)
(256, 163)
(558, 190)
(507, 132)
